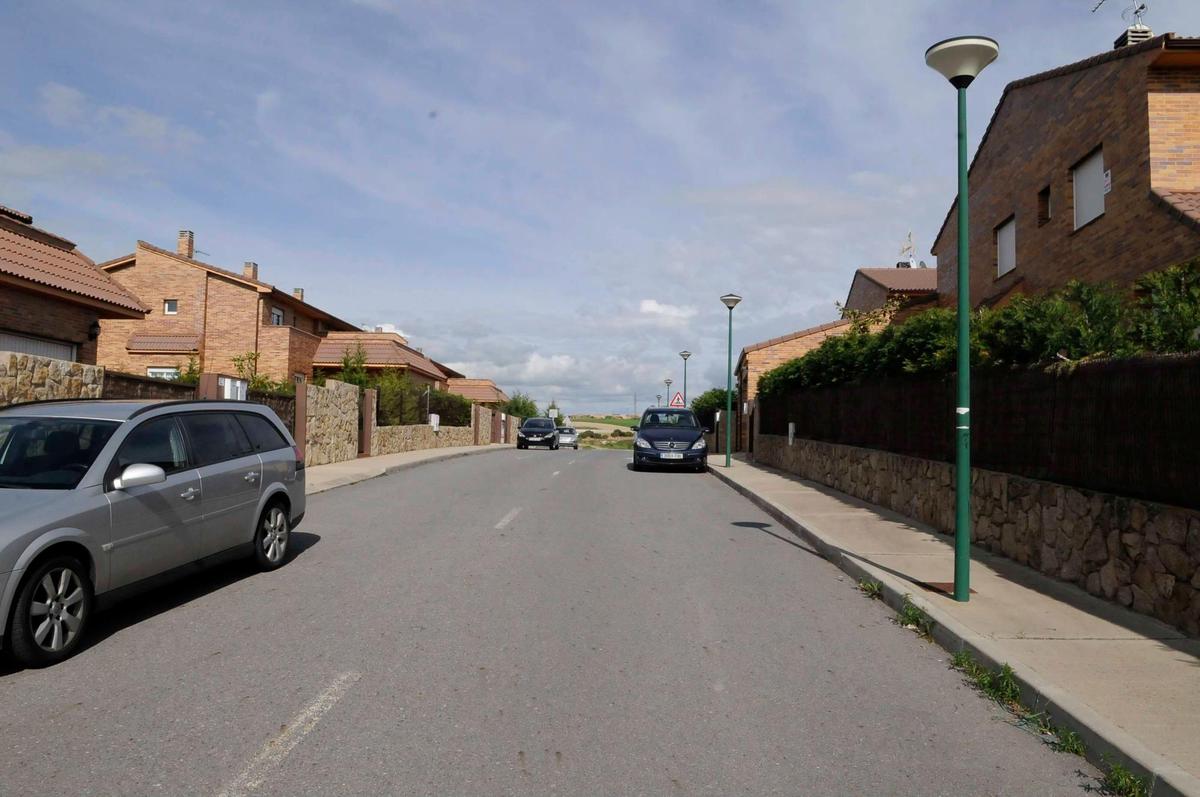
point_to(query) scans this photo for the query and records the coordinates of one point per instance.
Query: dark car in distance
(669, 437)
(538, 432)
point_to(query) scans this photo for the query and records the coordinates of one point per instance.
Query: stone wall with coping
(1138, 553)
(26, 377)
(483, 424)
(332, 428)
(395, 439)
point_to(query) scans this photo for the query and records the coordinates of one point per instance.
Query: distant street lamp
(960, 60)
(667, 382)
(730, 300)
(685, 355)
(658, 400)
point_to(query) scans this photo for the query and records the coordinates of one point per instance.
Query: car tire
(554, 447)
(58, 589)
(271, 537)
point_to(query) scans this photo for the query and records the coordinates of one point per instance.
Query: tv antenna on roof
(1134, 12)
(910, 250)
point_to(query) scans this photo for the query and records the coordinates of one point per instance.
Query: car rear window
(215, 437)
(262, 433)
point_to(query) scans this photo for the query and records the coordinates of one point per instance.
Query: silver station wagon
(99, 498)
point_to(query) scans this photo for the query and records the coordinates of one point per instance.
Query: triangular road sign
(677, 399)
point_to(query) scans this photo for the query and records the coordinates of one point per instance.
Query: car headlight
(520, 433)
(699, 444)
(640, 443)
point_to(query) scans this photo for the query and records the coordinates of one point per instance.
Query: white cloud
(62, 105)
(68, 107)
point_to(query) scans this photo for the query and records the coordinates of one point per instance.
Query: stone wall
(143, 388)
(1141, 554)
(332, 427)
(394, 439)
(25, 377)
(483, 425)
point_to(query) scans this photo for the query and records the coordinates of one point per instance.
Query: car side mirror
(138, 475)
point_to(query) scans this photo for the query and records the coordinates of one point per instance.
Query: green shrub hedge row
(1082, 321)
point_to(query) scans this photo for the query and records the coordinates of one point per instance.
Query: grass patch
(914, 617)
(622, 443)
(1001, 686)
(1119, 781)
(608, 419)
(872, 589)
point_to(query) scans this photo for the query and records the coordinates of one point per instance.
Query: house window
(1043, 206)
(1088, 179)
(1006, 246)
(170, 306)
(276, 317)
(162, 373)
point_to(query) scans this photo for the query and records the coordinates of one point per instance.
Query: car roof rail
(32, 402)
(179, 402)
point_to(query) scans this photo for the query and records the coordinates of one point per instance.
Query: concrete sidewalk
(320, 478)
(1128, 684)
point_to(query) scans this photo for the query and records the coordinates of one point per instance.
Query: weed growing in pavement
(1001, 686)
(872, 589)
(914, 617)
(1119, 781)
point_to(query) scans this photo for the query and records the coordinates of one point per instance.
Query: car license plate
(673, 455)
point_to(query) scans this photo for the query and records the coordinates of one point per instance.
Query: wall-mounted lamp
(94, 330)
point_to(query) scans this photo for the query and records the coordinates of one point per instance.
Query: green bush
(521, 405)
(1079, 322)
(708, 404)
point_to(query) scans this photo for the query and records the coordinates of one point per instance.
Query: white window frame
(1006, 247)
(1087, 179)
(276, 313)
(167, 304)
(162, 372)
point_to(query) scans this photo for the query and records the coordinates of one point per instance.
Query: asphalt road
(528, 622)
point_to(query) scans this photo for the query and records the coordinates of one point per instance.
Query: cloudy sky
(553, 195)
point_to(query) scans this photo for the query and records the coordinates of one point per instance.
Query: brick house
(909, 287)
(202, 311)
(382, 350)
(1090, 171)
(52, 296)
(479, 391)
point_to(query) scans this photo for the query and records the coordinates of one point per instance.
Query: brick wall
(29, 313)
(230, 328)
(24, 377)
(285, 351)
(1138, 553)
(1174, 108)
(1041, 131)
(154, 277)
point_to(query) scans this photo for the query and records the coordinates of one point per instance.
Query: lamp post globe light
(658, 400)
(685, 354)
(730, 300)
(960, 60)
(667, 382)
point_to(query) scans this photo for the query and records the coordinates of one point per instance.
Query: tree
(522, 405)
(354, 367)
(708, 404)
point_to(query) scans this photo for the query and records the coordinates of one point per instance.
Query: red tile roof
(149, 341)
(1185, 203)
(482, 391)
(39, 257)
(383, 350)
(903, 280)
(792, 336)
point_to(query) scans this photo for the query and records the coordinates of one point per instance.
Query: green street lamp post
(685, 354)
(960, 60)
(667, 382)
(730, 300)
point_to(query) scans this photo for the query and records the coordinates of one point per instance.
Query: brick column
(209, 387)
(366, 429)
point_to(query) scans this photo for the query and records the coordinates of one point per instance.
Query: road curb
(406, 466)
(1104, 739)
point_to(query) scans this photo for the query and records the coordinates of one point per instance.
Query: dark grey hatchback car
(98, 498)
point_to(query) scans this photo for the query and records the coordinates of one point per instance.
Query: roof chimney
(187, 244)
(298, 293)
(903, 264)
(378, 329)
(1134, 34)
(250, 270)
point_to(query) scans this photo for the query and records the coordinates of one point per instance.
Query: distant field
(609, 419)
(593, 442)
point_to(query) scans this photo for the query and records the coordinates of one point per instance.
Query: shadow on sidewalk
(1021, 575)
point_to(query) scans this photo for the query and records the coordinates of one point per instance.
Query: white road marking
(552, 475)
(504, 521)
(572, 462)
(277, 748)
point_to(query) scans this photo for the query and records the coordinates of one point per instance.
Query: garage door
(24, 344)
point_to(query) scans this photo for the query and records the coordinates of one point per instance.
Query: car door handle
(251, 476)
(188, 494)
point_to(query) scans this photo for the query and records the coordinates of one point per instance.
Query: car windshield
(539, 423)
(669, 419)
(49, 453)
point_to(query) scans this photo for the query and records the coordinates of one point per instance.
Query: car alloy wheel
(272, 542)
(52, 611)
